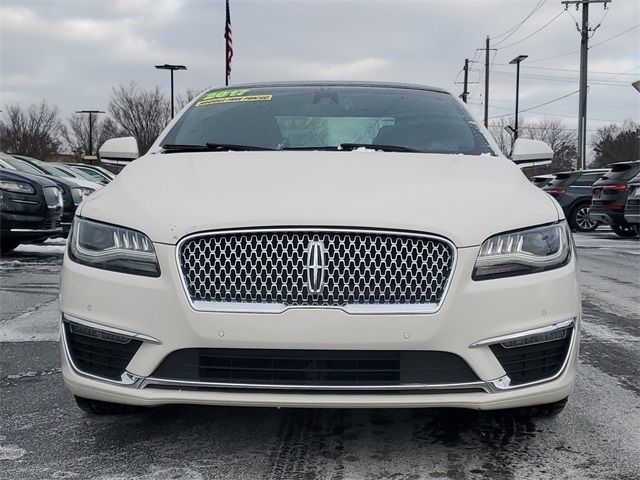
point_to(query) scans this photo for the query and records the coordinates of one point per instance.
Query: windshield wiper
(375, 146)
(209, 147)
(347, 147)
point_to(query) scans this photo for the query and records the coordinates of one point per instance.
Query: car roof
(628, 162)
(588, 170)
(330, 83)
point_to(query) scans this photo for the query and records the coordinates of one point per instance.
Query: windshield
(328, 117)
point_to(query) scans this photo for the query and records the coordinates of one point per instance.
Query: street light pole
(90, 113)
(171, 68)
(517, 61)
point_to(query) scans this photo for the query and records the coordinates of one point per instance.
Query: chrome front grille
(359, 271)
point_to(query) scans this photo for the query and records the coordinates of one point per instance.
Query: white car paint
(463, 198)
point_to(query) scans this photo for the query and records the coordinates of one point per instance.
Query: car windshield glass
(326, 117)
(22, 166)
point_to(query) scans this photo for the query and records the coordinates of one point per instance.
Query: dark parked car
(542, 180)
(610, 196)
(30, 209)
(572, 190)
(632, 208)
(72, 193)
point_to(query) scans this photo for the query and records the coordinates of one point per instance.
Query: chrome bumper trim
(35, 230)
(275, 308)
(117, 331)
(151, 381)
(527, 333)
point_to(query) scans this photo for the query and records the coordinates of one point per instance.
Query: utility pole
(465, 92)
(584, 31)
(90, 113)
(486, 85)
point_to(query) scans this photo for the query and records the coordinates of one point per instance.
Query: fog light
(100, 334)
(535, 339)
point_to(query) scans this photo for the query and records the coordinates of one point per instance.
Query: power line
(541, 105)
(616, 36)
(538, 30)
(594, 45)
(513, 30)
(576, 71)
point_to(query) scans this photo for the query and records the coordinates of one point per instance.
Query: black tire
(97, 407)
(8, 244)
(548, 410)
(579, 219)
(624, 231)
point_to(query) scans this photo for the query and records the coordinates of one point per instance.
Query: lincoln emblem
(315, 267)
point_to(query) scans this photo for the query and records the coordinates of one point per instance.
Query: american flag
(228, 45)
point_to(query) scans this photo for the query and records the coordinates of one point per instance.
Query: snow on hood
(463, 198)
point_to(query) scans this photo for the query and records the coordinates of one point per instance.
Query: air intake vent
(99, 353)
(530, 363)
(314, 367)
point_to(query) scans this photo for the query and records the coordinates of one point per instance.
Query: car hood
(464, 198)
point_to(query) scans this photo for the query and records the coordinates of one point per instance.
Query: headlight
(18, 187)
(525, 251)
(112, 248)
(80, 193)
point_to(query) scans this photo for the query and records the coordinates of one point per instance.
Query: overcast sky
(72, 52)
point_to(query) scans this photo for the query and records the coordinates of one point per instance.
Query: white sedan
(321, 245)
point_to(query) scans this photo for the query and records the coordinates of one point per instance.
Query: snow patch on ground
(11, 452)
(173, 473)
(41, 325)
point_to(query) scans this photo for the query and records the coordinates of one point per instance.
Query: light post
(90, 113)
(517, 61)
(171, 68)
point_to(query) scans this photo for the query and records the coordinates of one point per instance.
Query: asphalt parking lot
(44, 436)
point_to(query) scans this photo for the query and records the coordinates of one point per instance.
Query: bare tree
(76, 134)
(616, 143)
(559, 137)
(140, 113)
(35, 131)
(500, 135)
(184, 98)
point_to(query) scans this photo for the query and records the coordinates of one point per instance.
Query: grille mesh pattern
(270, 267)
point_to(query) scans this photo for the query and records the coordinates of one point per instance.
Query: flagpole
(228, 52)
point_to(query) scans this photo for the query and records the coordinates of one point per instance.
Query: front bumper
(471, 312)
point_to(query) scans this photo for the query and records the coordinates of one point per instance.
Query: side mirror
(528, 153)
(119, 151)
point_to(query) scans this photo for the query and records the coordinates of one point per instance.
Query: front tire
(579, 219)
(98, 407)
(624, 231)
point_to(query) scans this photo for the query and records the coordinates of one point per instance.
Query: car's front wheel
(624, 231)
(98, 407)
(579, 219)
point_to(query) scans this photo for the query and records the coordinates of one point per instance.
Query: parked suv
(286, 244)
(610, 196)
(572, 190)
(632, 208)
(30, 209)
